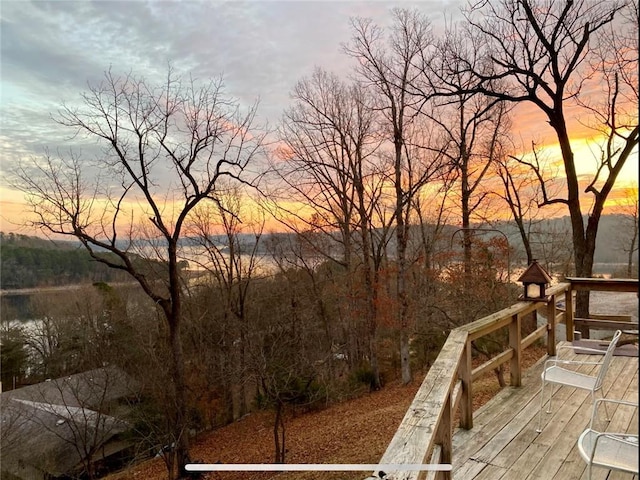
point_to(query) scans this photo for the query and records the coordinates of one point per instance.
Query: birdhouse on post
(535, 280)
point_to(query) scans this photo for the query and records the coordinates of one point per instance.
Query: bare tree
(520, 199)
(521, 193)
(330, 163)
(387, 66)
(628, 235)
(165, 148)
(328, 157)
(561, 57)
(472, 128)
(231, 259)
(312, 280)
(13, 354)
(287, 373)
(552, 242)
(69, 336)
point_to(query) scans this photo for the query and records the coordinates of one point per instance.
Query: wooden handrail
(604, 284)
(594, 284)
(425, 433)
(428, 419)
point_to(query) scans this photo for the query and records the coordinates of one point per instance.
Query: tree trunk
(405, 356)
(583, 263)
(526, 243)
(466, 219)
(173, 312)
(373, 362)
(279, 434)
(180, 432)
(370, 282)
(401, 250)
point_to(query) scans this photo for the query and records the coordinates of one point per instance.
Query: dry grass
(355, 431)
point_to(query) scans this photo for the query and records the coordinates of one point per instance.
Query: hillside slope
(354, 431)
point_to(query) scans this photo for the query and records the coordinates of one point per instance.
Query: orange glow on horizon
(15, 215)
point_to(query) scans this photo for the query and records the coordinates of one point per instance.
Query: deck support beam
(551, 327)
(515, 343)
(466, 402)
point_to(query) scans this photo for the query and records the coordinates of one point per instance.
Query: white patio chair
(613, 451)
(555, 374)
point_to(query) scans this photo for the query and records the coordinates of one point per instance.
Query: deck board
(503, 443)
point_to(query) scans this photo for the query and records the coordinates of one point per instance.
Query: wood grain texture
(504, 445)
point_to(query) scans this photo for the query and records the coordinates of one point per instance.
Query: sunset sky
(50, 50)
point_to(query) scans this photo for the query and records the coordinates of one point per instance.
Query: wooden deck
(503, 443)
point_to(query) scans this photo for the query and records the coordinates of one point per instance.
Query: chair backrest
(607, 359)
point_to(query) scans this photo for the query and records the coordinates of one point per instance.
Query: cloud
(260, 46)
(50, 50)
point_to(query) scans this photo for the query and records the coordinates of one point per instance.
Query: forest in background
(28, 261)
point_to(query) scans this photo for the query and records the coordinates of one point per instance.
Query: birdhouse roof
(535, 274)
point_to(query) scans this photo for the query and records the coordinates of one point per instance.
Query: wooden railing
(607, 322)
(425, 433)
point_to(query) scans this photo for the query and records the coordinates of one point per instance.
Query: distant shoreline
(56, 288)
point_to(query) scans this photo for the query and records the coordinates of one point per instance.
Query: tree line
(24, 267)
(27, 261)
(27, 267)
(419, 134)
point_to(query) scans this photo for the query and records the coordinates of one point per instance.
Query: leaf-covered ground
(354, 431)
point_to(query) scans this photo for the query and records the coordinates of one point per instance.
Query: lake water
(16, 307)
(19, 306)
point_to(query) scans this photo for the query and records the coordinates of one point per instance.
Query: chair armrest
(556, 361)
(582, 349)
(615, 400)
(598, 401)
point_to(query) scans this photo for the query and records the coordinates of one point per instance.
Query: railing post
(444, 439)
(568, 320)
(551, 326)
(515, 342)
(466, 400)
